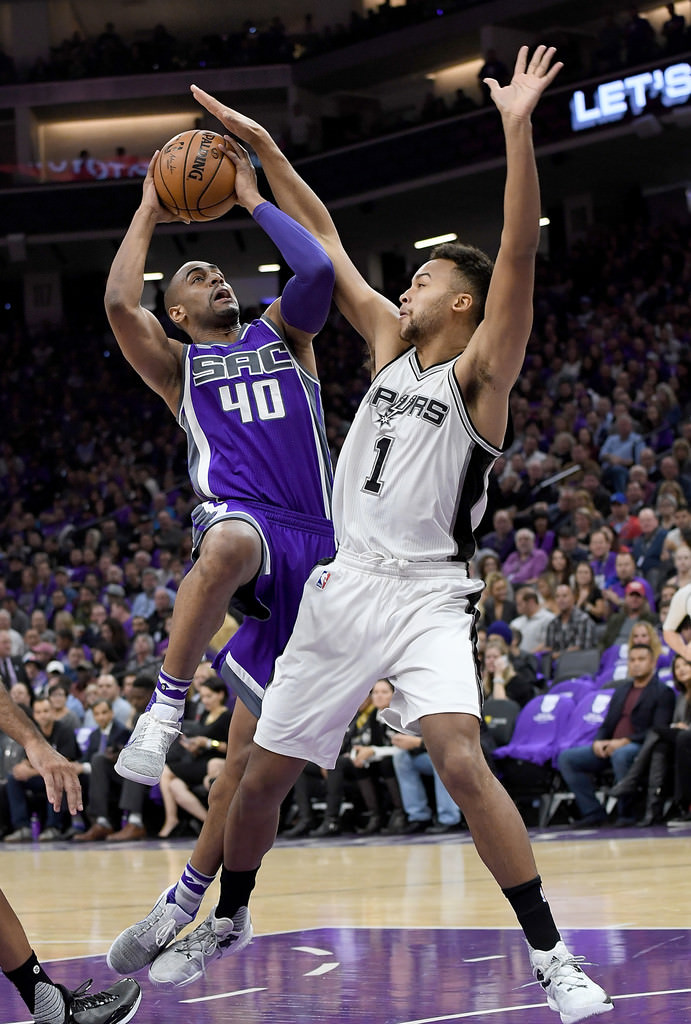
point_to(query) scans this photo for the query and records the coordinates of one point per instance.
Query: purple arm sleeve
(306, 298)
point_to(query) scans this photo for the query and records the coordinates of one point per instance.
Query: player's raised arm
(138, 333)
(371, 314)
(59, 775)
(304, 305)
(494, 356)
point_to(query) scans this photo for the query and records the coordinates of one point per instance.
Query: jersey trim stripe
(241, 683)
(465, 416)
(200, 462)
(321, 444)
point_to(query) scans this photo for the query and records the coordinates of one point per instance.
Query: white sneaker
(186, 960)
(141, 943)
(143, 758)
(569, 991)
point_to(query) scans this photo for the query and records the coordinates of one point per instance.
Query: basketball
(193, 177)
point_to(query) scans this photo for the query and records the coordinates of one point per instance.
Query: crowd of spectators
(588, 525)
(624, 40)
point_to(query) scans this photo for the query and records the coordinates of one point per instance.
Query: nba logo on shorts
(324, 578)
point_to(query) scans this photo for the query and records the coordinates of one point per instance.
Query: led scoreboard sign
(611, 101)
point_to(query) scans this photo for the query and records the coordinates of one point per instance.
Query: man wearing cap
(625, 525)
(634, 608)
(625, 573)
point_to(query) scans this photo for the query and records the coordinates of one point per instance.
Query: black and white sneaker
(114, 1005)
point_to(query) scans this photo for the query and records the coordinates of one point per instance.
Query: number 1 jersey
(411, 479)
(255, 424)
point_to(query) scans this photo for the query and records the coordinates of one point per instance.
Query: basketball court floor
(384, 930)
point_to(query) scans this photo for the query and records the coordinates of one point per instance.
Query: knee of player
(232, 549)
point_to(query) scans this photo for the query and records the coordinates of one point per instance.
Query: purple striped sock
(170, 690)
(189, 892)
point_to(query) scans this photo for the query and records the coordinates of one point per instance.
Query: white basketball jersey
(411, 479)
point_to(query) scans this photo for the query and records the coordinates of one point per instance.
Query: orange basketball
(193, 177)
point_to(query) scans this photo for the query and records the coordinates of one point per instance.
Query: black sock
(533, 913)
(42, 996)
(236, 887)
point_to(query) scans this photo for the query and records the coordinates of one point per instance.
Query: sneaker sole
(237, 947)
(127, 773)
(594, 1010)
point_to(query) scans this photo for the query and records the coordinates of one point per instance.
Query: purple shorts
(292, 545)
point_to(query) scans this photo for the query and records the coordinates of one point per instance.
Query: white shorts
(359, 621)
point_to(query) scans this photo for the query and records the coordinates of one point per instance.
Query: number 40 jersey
(254, 423)
(411, 479)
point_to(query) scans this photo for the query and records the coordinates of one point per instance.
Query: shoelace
(89, 1002)
(575, 977)
(162, 930)
(203, 940)
(152, 736)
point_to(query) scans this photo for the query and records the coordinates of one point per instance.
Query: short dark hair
(474, 266)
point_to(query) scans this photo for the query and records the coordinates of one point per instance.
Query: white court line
(313, 950)
(322, 969)
(537, 1006)
(222, 995)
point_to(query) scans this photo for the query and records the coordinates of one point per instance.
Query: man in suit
(641, 703)
(25, 779)
(11, 668)
(104, 744)
(105, 780)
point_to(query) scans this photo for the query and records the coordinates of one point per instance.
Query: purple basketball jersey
(255, 424)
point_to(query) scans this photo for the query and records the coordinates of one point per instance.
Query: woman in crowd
(560, 566)
(496, 605)
(588, 595)
(546, 587)
(500, 679)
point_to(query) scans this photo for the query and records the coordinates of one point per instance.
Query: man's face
(564, 598)
(634, 602)
(524, 542)
(427, 305)
(648, 521)
(108, 688)
(624, 568)
(103, 714)
(139, 698)
(640, 663)
(200, 297)
(599, 548)
(5, 645)
(44, 714)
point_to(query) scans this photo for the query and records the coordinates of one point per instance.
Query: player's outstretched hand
(245, 174)
(59, 774)
(245, 128)
(530, 79)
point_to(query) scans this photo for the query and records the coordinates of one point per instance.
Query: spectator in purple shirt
(527, 562)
